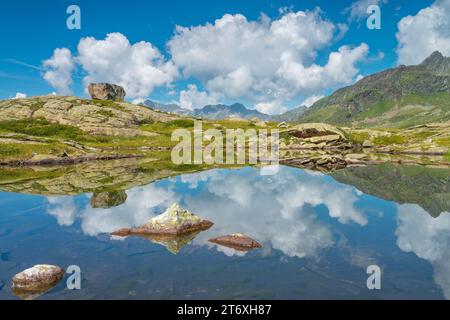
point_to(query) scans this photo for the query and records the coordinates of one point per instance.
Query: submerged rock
(237, 241)
(172, 242)
(106, 91)
(107, 200)
(174, 221)
(35, 281)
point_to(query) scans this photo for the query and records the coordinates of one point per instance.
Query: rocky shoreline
(67, 160)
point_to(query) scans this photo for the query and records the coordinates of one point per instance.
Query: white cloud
(420, 35)
(139, 67)
(20, 95)
(273, 107)
(358, 9)
(192, 98)
(428, 238)
(275, 210)
(58, 70)
(63, 209)
(308, 102)
(264, 60)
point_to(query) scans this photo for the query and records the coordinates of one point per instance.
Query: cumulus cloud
(428, 238)
(58, 70)
(308, 102)
(276, 210)
(20, 95)
(420, 35)
(274, 107)
(264, 60)
(358, 10)
(63, 209)
(139, 67)
(192, 98)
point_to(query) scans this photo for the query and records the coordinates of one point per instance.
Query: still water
(318, 235)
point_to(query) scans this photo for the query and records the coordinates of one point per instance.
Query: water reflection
(320, 234)
(276, 210)
(428, 238)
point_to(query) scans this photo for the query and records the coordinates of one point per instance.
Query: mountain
(290, 115)
(402, 184)
(171, 107)
(221, 111)
(397, 97)
(212, 112)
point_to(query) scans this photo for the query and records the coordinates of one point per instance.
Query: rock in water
(107, 200)
(174, 221)
(237, 241)
(106, 91)
(34, 281)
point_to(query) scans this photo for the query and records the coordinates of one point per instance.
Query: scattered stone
(37, 280)
(106, 91)
(308, 130)
(109, 199)
(258, 122)
(367, 144)
(326, 139)
(355, 156)
(237, 241)
(174, 221)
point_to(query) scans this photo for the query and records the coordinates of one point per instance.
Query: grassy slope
(50, 138)
(408, 111)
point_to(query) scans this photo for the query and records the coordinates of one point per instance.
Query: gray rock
(106, 91)
(367, 144)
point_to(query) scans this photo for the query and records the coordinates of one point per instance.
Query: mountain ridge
(401, 96)
(222, 111)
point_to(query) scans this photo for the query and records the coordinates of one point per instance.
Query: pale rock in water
(237, 241)
(174, 221)
(34, 281)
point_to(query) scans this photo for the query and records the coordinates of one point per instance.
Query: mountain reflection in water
(318, 235)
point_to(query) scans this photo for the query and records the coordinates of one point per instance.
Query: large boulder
(106, 91)
(173, 221)
(107, 199)
(308, 130)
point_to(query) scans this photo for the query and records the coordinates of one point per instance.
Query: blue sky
(32, 30)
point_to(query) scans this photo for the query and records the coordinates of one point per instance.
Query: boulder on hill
(106, 91)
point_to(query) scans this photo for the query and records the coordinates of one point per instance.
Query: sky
(270, 55)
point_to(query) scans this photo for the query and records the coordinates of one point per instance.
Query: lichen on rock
(174, 220)
(36, 280)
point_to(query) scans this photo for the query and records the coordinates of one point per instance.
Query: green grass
(9, 175)
(108, 104)
(447, 157)
(14, 151)
(358, 137)
(106, 113)
(40, 128)
(443, 142)
(388, 140)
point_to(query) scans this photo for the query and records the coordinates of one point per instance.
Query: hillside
(398, 97)
(402, 184)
